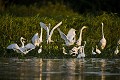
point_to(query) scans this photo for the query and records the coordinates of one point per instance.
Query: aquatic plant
(14, 25)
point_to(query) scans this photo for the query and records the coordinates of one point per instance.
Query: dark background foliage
(77, 5)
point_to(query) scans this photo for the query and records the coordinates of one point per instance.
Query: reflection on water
(60, 69)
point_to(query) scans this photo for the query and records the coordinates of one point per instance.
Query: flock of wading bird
(70, 39)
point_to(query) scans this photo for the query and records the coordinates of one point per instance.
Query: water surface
(59, 69)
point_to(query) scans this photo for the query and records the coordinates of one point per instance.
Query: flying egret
(102, 42)
(80, 37)
(116, 50)
(69, 38)
(97, 50)
(23, 49)
(49, 33)
(36, 40)
(93, 51)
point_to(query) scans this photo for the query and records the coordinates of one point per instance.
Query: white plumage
(116, 50)
(64, 51)
(118, 43)
(97, 50)
(103, 40)
(23, 49)
(49, 33)
(80, 37)
(36, 40)
(40, 49)
(69, 38)
(93, 51)
(81, 51)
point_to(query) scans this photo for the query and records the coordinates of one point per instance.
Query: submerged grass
(18, 22)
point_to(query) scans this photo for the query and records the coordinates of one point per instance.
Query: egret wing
(13, 46)
(41, 35)
(29, 46)
(71, 34)
(55, 28)
(43, 26)
(35, 39)
(63, 36)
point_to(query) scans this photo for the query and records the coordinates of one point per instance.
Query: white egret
(118, 43)
(23, 49)
(97, 50)
(40, 49)
(69, 38)
(36, 40)
(81, 52)
(49, 33)
(93, 51)
(64, 52)
(102, 42)
(74, 50)
(80, 37)
(116, 50)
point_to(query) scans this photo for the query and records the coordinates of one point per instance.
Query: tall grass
(24, 21)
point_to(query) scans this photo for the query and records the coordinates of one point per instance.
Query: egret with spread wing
(23, 49)
(69, 38)
(49, 33)
(36, 40)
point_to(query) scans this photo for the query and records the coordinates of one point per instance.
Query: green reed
(17, 22)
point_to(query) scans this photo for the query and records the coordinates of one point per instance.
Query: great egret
(118, 42)
(116, 50)
(82, 52)
(102, 42)
(80, 37)
(64, 52)
(36, 40)
(74, 50)
(69, 38)
(93, 51)
(49, 33)
(23, 49)
(40, 49)
(97, 50)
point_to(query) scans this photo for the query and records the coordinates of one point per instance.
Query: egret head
(73, 29)
(83, 27)
(49, 25)
(22, 38)
(102, 23)
(36, 34)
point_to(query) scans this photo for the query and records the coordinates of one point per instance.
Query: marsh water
(59, 69)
